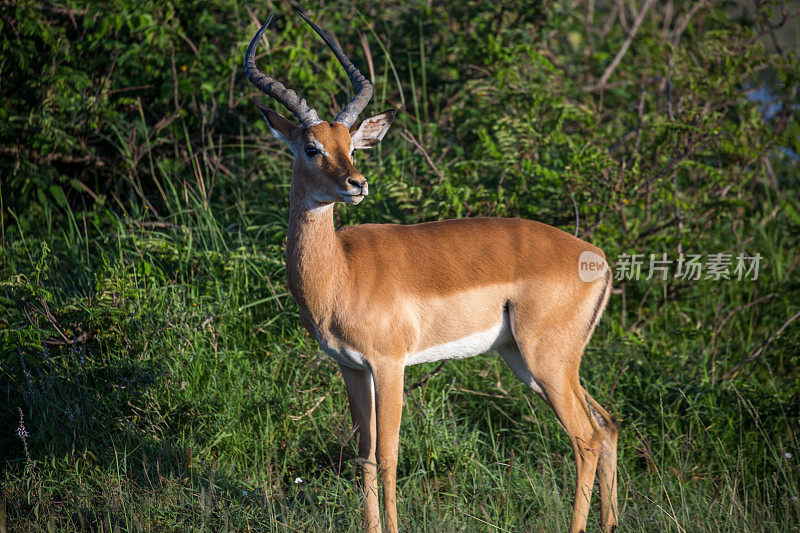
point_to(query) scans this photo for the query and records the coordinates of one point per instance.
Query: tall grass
(195, 399)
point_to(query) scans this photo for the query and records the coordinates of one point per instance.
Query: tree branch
(624, 49)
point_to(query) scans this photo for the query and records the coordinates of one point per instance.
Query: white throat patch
(317, 208)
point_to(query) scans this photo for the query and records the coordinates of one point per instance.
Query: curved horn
(306, 115)
(362, 85)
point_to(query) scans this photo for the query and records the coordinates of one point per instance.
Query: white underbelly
(469, 346)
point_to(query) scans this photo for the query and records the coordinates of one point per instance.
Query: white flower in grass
(788, 455)
(297, 480)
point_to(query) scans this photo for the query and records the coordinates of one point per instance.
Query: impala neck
(314, 255)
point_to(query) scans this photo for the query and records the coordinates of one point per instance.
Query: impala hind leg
(607, 467)
(567, 402)
(555, 378)
(360, 393)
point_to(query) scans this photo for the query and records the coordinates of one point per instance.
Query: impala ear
(280, 126)
(370, 132)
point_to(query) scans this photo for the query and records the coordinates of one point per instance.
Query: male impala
(379, 297)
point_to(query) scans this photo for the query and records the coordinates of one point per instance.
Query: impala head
(323, 151)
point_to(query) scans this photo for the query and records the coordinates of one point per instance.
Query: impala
(380, 297)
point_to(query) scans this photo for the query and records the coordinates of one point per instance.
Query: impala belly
(463, 325)
(469, 346)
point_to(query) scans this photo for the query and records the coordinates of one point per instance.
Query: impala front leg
(362, 409)
(388, 378)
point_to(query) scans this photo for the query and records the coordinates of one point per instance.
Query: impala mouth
(352, 197)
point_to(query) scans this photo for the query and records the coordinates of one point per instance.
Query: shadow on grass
(96, 423)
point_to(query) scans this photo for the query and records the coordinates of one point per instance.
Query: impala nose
(356, 183)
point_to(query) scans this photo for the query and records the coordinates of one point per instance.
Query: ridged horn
(298, 106)
(362, 85)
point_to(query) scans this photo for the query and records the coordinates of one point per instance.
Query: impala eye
(311, 151)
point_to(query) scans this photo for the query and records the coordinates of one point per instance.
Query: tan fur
(387, 291)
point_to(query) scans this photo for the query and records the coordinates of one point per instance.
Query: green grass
(195, 399)
(154, 372)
